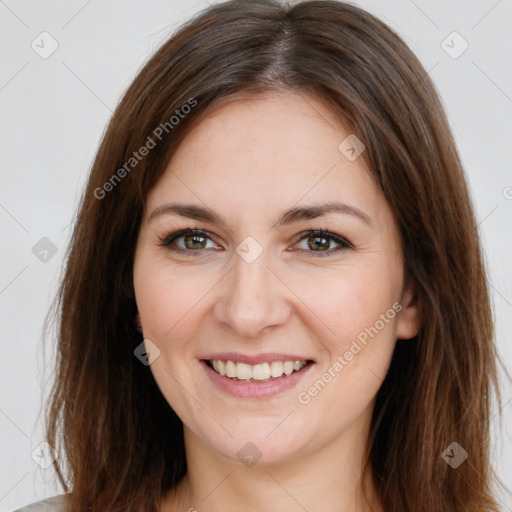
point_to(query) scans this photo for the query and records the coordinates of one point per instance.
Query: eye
(319, 239)
(194, 240)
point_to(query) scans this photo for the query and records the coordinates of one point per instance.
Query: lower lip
(241, 389)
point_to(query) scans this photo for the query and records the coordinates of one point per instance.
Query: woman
(275, 297)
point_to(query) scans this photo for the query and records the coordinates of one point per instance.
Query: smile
(259, 372)
(268, 375)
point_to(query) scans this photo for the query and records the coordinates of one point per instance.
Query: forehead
(254, 152)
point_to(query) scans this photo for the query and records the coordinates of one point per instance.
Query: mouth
(255, 376)
(257, 373)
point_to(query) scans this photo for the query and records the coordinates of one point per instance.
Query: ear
(138, 325)
(409, 318)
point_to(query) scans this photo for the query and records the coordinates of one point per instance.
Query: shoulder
(53, 504)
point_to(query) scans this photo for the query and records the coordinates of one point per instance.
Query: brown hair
(122, 442)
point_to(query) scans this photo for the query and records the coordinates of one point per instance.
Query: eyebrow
(290, 216)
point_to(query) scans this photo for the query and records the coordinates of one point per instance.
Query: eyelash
(169, 238)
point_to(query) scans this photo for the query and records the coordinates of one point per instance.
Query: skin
(249, 159)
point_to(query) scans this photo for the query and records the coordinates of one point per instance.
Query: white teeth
(230, 369)
(219, 366)
(276, 368)
(288, 367)
(297, 365)
(243, 371)
(262, 371)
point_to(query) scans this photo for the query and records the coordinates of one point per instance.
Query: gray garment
(53, 504)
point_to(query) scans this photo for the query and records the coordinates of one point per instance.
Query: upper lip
(253, 359)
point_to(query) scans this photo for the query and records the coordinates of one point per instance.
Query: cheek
(361, 309)
(347, 385)
(168, 300)
(344, 302)
(169, 305)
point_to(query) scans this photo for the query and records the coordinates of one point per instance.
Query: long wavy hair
(119, 444)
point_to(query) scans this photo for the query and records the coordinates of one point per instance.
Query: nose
(253, 299)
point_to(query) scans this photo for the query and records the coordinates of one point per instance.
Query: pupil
(324, 241)
(195, 238)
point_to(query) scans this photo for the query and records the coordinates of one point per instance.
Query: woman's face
(256, 290)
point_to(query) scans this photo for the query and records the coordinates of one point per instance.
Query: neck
(326, 479)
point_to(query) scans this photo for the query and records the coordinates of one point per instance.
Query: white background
(53, 112)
